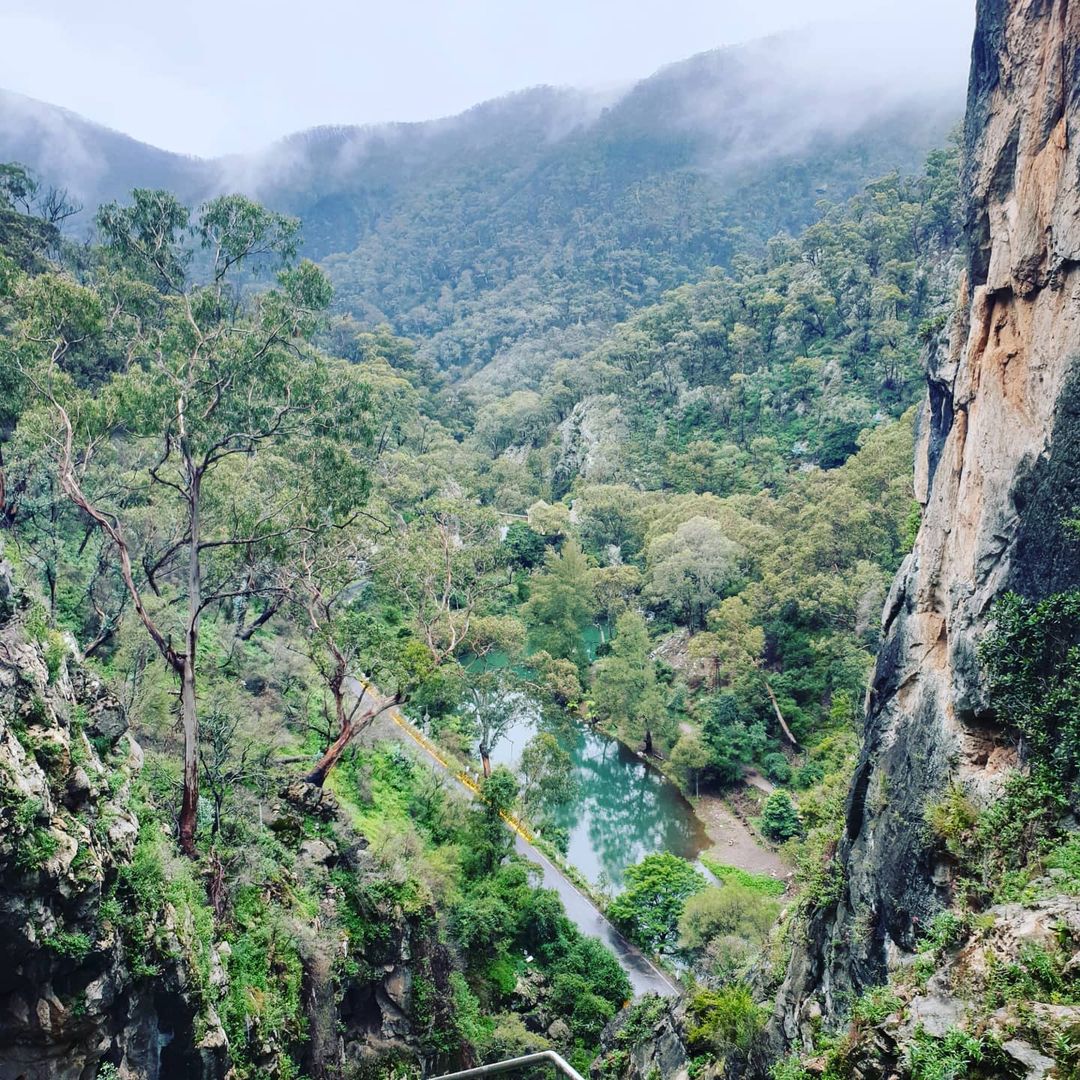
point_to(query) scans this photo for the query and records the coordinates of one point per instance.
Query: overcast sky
(213, 76)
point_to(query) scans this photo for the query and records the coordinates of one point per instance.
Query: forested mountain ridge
(522, 229)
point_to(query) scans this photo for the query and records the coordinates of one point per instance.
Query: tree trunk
(350, 728)
(318, 775)
(648, 742)
(189, 807)
(485, 760)
(779, 715)
(189, 714)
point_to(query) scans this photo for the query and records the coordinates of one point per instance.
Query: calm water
(623, 809)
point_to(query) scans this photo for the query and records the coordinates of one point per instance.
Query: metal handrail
(516, 1063)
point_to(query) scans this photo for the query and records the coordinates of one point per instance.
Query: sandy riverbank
(733, 843)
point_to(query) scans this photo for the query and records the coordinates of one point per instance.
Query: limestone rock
(998, 469)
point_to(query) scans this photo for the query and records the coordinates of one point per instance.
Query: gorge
(582, 431)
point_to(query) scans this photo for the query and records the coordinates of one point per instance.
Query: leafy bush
(875, 1005)
(724, 1020)
(73, 946)
(1066, 857)
(657, 889)
(955, 1056)
(731, 910)
(779, 819)
(806, 776)
(35, 848)
(1032, 662)
(777, 768)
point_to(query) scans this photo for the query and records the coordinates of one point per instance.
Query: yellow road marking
(462, 778)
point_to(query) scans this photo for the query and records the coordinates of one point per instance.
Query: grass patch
(732, 875)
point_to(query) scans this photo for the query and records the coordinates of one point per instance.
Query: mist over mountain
(523, 228)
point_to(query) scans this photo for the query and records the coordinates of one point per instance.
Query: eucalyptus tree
(223, 439)
(625, 690)
(366, 665)
(403, 634)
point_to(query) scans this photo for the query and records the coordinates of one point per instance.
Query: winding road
(645, 977)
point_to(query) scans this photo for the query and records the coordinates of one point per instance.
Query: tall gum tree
(223, 419)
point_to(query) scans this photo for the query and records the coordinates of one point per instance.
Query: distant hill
(524, 228)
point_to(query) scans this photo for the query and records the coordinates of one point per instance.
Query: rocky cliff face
(67, 993)
(998, 472)
(100, 976)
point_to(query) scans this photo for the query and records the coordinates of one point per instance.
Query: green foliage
(706, 407)
(724, 1021)
(729, 911)
(789, 1068)
(875, 1005)
(818, 872)
(993, 847)
(954, 1056)
(779, 819)
(561, 605)
(734, 875)
(264, 1000)
(525, 546)
(624, 686)
(547, 774)
(946, 929)
(35, 848)
(649, 908)
(491, 840)
(636, 1026)
(732, 743)
(1065, 857)
(1032, 662)
(777, 768)
(72, 946)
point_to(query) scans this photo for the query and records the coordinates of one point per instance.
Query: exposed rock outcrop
(69, 999)
(645, 1041)
(998, 473)
(77, 995)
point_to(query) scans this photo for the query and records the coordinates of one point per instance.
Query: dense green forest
(232, 504)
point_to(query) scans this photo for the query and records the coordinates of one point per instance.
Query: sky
(210, 77)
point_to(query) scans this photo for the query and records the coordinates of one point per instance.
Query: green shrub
(806, 776)
(730, 910)
(955, 1056)
(55, 653)
(35, 848)
(73, 946)
(779, 819)
(818, 872)
(1032, 662)
(1066, 857)
(777, 768)
(875, 1005)
(263, 1002)
(724, 1020)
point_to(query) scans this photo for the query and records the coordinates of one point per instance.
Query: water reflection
(623, 810)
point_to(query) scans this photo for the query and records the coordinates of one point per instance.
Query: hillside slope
(523, 228)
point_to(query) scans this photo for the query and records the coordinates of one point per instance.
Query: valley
(599, 573)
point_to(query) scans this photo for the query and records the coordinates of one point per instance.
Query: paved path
(645, 977)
